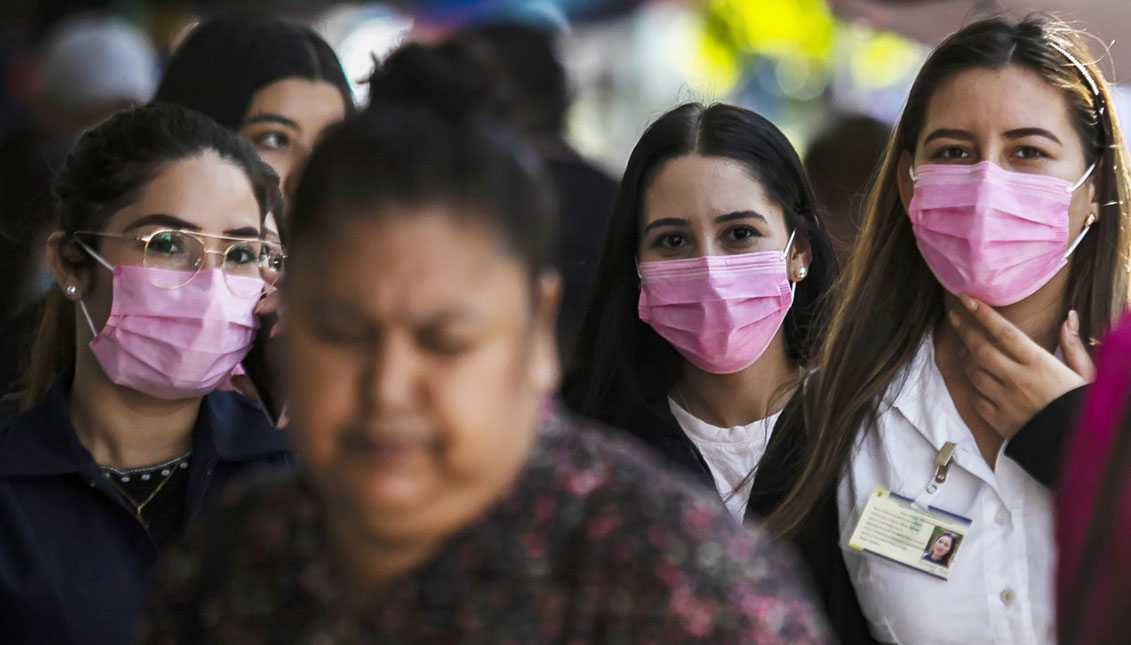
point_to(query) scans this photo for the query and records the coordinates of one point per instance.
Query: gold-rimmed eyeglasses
(173, 257)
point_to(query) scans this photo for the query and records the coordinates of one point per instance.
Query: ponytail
(52, 349)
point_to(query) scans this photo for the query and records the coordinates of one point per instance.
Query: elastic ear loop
(785, 256)
(98, 258)
(1076, 242)
(1092, 218)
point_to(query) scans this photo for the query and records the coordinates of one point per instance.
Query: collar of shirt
(920, 395)
(42, 442)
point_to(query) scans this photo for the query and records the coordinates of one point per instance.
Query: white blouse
(731, 453)
(1001, 582)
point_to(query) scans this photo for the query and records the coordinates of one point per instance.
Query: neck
(364, 565)
(1039, 316)
(122, 427)
(741, 398)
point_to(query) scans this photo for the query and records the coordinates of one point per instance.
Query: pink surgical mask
(719, 311)
(995, 234)
(173, 343)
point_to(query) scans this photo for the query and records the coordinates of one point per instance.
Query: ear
(65, 260)
(800, 257)
(903, 179)
(546, 365)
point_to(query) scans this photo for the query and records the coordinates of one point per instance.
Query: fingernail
(969, 303)
(1073, 321)
(955, 320)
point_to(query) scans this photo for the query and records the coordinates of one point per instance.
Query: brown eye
(951, 153)
(670, 241)
(272, 140)
(742, 234)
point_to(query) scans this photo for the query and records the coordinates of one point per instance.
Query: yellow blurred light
(883, 59)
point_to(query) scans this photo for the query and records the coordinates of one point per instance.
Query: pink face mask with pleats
(173, 343)
(719, 311)
(994, 234)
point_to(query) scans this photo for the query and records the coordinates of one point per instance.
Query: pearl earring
(1091, 219)
(802, 272)
(71, 290)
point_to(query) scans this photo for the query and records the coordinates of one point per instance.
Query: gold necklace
(173, 468)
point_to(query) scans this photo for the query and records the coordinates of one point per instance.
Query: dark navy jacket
(74, 560)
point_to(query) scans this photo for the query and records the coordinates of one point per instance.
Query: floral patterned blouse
(593, 543)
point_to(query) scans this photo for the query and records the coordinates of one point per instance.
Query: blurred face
(941, 547)
(204, 194)
(419, 359)
(1009, 116)
(285, 120)
(698, 206)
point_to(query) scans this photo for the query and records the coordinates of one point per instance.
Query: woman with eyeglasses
(278, 85)
(159, 262)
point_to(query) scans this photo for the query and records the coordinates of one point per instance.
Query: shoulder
(675, 548)
(239, 429)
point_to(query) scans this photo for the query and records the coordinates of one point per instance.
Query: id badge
(894, 528)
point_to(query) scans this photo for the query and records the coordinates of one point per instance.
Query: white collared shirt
(1001, 582)
(731, 454)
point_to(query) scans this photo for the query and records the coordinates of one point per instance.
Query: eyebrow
(245, 231)
(665, 221)
(171, 221)
(736, 215)
(948, 133)
(271, 117)
(721, 219)
(161, 219)
(1016, 133)
(1021, 133)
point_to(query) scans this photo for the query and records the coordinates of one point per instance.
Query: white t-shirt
(730, 453)
(1001, 582)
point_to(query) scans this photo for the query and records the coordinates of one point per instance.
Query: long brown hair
(887, 298)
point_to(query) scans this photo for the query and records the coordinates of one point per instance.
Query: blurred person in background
(88, 67)
(708, 298)
(528, 63)
(434, 505)
(278, 85)
(158, 264)
(841, 160)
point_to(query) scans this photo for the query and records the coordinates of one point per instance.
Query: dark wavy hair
(621, 365)
(226, 60)
(432, 134)
(104, 173)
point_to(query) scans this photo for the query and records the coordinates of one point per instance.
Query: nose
(213, 259)
(391, 375)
